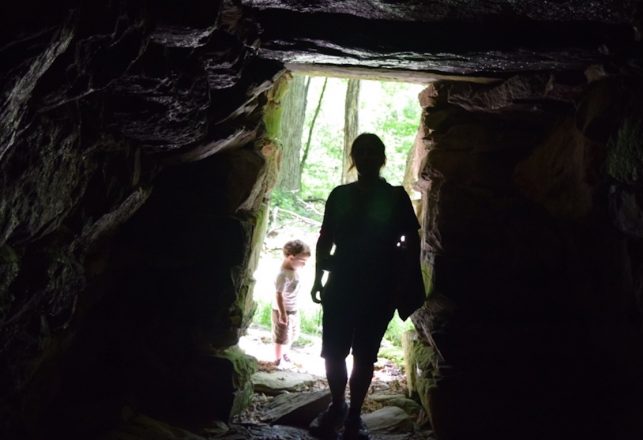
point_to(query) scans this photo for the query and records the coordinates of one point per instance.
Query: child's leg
(292, 332)
(278, 352)
(278, 336)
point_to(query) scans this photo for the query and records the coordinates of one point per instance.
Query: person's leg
(360, 380)
(337, 376)
(329, 421)
(337, 334)
(278, 336)
(336, 339)
(278, 353)
(293, 335)
(369, 331)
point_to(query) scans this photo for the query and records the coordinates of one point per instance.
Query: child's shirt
(287, 283)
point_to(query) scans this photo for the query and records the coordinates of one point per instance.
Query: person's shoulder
(399, 190)
(341, 191)
(345, 187)
(395, 191)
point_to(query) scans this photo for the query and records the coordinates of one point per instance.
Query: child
(285, 321)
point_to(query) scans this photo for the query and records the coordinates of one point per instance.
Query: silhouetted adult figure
(366, 221)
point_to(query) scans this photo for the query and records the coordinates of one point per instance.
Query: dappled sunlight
(305, 356)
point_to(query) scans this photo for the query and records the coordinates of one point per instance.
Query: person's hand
(316, 292)
(283, 319)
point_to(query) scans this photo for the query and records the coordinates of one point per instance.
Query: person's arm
(322, 251)
(283, 316)
(322, 257)
(409, 224)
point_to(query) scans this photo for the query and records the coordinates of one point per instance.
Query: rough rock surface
(297, 409)
(535, 258)
(100, 104)
(279, 381)
(446, 37)
(134, 163)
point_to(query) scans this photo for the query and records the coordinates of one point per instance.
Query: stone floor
(293, 394)
(287, 398)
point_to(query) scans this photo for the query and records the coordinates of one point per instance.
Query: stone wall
(132, 171)
(534, 240)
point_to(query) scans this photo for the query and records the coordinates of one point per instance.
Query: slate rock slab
(298, 409)
(277, 382)
(388, 419)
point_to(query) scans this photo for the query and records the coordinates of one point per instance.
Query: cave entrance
(319, 117)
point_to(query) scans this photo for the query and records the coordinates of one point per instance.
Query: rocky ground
(292, 394)
(287, 398)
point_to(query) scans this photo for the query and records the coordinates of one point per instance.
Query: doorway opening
(320, 116)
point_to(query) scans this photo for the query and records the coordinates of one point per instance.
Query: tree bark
(312, 125)
(351, 126)
(290, 134)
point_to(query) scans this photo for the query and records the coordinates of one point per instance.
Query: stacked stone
(516, 232)
(111, 109)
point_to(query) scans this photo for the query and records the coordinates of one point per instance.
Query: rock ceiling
(447, 37)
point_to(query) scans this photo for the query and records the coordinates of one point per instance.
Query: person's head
(296, 254)
(367, 154)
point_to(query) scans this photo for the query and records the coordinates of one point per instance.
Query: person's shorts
(359, 328)
(285, 334)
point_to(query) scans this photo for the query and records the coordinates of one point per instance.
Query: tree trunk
(351, 123)
(312, 125)
(290, 134)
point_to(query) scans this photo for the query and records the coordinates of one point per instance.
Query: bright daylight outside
(313, 161)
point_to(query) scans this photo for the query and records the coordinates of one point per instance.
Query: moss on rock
(9, 268)
(420, 366)
(244, 366)
(625, 152)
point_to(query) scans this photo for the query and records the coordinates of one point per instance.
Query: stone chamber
(136, 162)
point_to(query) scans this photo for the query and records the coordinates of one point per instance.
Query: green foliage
(391, 110)
(393, 354)
(310, 322)
(322, 171)
(263, 314)
(427, 278)
(303, 341)
(285, 200)
(395, 117)
(396, 329)
(292, 202)
(273, 110)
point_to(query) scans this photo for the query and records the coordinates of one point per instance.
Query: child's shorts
(285, 334)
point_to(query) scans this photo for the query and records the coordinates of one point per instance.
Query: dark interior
(136, 168)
